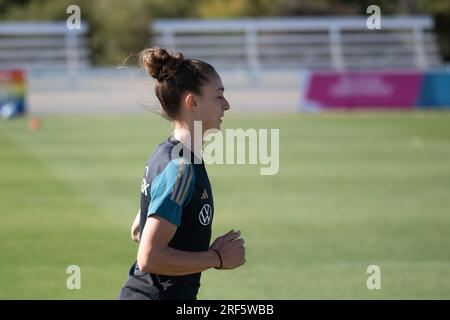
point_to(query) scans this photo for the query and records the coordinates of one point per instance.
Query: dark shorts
(145, 286)
(139, 288)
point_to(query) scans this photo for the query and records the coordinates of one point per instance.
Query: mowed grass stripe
(45, 227)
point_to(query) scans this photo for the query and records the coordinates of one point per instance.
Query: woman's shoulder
(164, 159)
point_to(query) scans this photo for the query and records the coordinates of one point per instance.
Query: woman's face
(212, 104)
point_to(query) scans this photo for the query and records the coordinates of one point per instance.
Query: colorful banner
(12, 93)
(372, 89)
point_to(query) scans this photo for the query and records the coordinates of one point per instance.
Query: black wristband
(220, 258)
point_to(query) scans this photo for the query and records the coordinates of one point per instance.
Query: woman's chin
(211, 131)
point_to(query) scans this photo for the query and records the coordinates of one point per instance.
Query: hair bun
(161, 64)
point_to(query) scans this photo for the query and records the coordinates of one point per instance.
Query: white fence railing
(335, 43)
(43, 45)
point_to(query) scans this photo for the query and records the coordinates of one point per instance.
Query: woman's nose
(227, 105)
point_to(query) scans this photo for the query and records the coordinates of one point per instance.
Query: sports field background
(354, 189)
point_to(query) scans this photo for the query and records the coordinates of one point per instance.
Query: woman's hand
(220, 241)
(135, 229)
(231, 249)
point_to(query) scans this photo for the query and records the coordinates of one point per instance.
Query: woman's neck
(187, 134)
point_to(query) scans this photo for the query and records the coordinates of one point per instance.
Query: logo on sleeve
(205, 215)
(145, 184)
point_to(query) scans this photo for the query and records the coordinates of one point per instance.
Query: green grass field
(353, 190)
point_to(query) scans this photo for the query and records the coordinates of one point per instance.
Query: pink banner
(350, 90)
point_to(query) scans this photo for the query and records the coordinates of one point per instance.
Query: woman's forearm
(173, 262)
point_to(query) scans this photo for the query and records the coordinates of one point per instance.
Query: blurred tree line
(119, 28)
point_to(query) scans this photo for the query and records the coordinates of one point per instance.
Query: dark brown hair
(175, 76)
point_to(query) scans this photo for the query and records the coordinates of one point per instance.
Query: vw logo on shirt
(205, 215)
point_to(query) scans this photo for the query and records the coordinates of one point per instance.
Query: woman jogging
(173, 226)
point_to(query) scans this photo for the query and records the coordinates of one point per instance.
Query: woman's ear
(190, 103)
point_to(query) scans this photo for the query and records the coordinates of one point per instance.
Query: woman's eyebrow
(221, 89)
